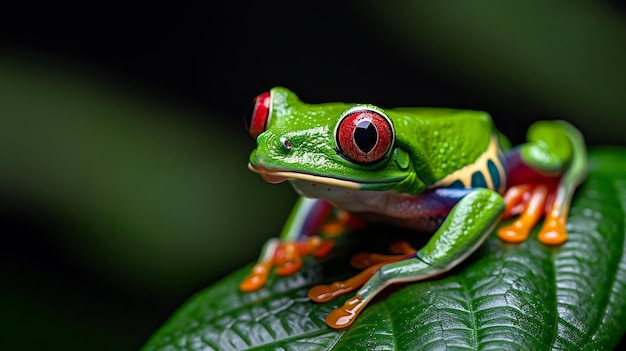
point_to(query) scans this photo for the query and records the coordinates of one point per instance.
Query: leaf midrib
(471, 310)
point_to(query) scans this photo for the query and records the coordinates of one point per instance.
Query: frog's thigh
(556, 146)
(464, 229)
(549, 147)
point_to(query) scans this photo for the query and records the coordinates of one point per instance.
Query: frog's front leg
(467, 225)
(310, 229)
(543, 174)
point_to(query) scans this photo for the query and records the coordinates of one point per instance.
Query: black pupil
(365, 136)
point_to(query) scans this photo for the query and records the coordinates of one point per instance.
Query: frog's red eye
(364, 136)
(257, 117)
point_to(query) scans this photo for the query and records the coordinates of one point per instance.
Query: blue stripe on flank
(478, 180)
(495, 175)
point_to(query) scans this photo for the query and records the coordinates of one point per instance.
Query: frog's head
(319, 147)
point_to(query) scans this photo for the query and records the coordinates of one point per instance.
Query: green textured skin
(464, 229)
(441, 141)
(437, 141)
(549, 148)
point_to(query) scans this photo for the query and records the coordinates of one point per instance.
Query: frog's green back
(441, 140)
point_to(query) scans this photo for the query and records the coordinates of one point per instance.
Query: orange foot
(287, 257)
(257, 277)
(553, 231)
(532, 202)
(343, 316)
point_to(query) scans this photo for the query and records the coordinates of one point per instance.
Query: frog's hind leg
(463, 230)
(544, 172)
(553, 230)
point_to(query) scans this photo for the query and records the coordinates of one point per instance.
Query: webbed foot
(553, 231)
(286, 257)
(532, 203)
(257, 277)
(547, 171)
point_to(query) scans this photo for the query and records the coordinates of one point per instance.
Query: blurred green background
(123, 179)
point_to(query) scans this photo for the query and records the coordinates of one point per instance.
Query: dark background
(128, 90)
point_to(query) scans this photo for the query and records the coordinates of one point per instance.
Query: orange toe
(553, 232)
(323, 249)
(324, 293)
(257, 278)
(345, 315)
(289, 267)
(513, 233)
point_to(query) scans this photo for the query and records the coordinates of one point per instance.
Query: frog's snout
(269, 176)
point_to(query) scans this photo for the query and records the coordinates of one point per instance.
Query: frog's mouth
(279, 176)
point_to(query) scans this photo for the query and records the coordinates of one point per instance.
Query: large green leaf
(523, 297)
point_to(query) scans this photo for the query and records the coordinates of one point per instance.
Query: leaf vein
(554, 295)
(470, 310)
(385, 305)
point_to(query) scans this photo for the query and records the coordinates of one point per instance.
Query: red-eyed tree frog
(449, 172)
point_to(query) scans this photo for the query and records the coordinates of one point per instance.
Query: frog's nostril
(286, 143)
